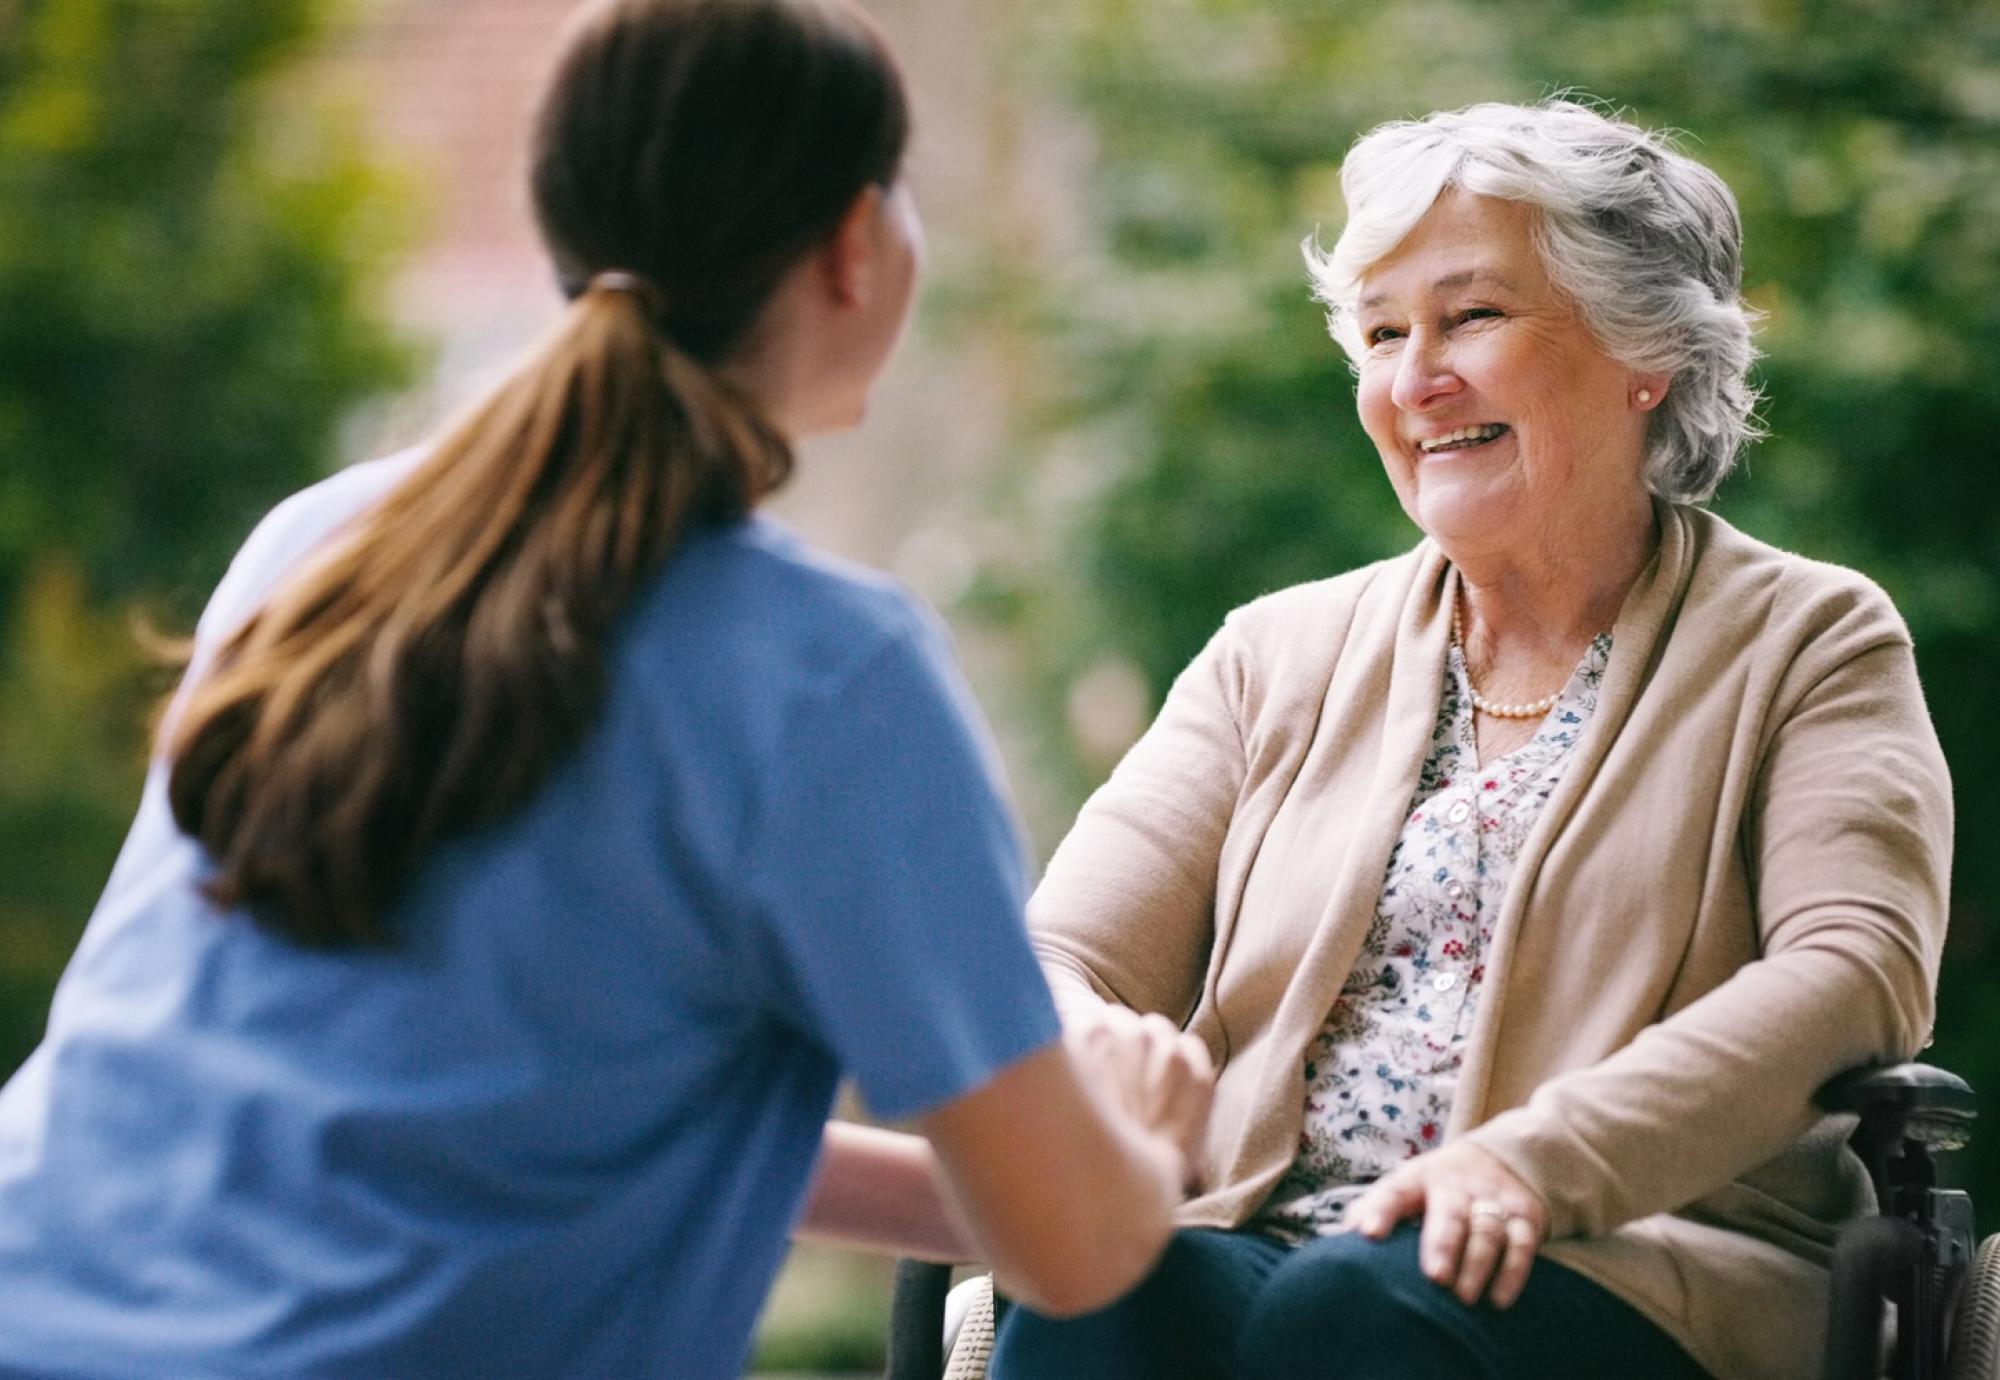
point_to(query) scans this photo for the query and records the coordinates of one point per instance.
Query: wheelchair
(1915, 1295)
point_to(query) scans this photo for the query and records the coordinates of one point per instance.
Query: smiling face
(1499, 418)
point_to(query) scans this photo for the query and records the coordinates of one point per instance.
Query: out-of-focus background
(243, 242)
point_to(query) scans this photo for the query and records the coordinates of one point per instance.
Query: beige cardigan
(1737, 891)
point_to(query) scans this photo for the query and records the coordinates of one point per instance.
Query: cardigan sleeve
(1847, 842)
(1125, 912)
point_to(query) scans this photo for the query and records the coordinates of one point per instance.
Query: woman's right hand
(1149, 1068)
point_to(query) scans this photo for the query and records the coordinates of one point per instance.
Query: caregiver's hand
(1160, 1076)
(1482, 1225)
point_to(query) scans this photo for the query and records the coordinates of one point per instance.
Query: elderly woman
(1525, 887)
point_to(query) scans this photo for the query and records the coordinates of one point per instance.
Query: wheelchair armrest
(1913, 1101)
(1916, 1254)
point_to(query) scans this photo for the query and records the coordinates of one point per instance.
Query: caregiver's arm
(1067, 1167)
(878, 1190)
(1063, 1170)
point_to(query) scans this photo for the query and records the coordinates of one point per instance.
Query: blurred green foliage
(1862, 138)
(193, 240)
(194, 234)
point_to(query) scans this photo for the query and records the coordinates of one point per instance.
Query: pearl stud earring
(1645, 395)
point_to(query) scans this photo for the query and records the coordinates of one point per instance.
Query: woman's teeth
(1462, 439)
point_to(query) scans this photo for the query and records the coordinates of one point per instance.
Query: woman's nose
(1424, 373)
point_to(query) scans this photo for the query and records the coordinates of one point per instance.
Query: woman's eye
(1377, 335)
(1477, 314)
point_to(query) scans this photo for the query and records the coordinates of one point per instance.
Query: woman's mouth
(1465, 438)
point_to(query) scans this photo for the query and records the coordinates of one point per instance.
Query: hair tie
(626, 281)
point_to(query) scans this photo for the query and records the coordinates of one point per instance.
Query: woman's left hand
(1482, 1225)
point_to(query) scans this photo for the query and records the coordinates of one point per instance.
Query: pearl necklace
(1533, 709)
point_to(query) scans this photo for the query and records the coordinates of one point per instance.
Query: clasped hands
(1158, 1074)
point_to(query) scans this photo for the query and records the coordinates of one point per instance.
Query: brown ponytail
(425, 674)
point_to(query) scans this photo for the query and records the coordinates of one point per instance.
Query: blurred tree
(1863, 140)
(188, 266)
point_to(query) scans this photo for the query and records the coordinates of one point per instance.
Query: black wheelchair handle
(1918, 1089)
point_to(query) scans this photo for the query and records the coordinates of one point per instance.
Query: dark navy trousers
(1225, 1305)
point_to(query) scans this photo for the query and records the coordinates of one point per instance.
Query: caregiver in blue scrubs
(539, 834)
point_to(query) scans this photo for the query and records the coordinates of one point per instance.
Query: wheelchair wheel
(972, 1346)
(1975, 1335)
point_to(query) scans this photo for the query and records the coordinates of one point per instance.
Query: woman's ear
(848, 259)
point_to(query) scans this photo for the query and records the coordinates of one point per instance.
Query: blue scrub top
(564, 1124)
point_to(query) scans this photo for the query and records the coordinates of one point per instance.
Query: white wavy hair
(1644, 241)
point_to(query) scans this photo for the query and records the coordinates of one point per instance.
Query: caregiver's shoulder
(758, 578)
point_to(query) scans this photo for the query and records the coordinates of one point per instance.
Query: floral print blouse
(1380, 1075)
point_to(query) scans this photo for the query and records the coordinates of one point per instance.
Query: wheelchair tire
(972, 1348)
(1975, 1333)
